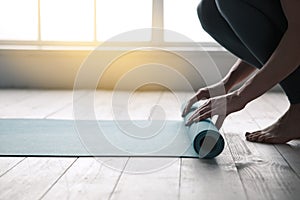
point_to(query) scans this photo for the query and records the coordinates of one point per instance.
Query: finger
(187, 108)
(199, 112)
(202, 109)
(220, 121)
(202, 117)
(199, 118)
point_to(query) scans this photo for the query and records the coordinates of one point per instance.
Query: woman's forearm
(239, 72)
(283, 61)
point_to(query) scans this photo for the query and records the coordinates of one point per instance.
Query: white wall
(56, 69)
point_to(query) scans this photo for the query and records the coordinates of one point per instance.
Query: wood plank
(263, 171)
(7, 163)
(66, 112)
(102, 106)
(88, 178)
(181, 179)
(211, 179)
(163, 183)
(150, 178)
(94, 177)
(104, 109)
(170, 103)
(290, 151)
(32, 177)
(264, 177)
(10, 97)
(278, 100)
(140, 105)
(38, 106)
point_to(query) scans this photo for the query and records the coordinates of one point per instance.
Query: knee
(205, 11)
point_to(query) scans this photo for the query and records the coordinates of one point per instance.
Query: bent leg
(260, 26)
(253, 27)
(218, 28)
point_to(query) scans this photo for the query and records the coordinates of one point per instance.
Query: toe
(255, 132)
(261, 138)
(270, 140)
(256, 137)
(251, 138)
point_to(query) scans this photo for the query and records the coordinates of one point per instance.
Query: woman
(264, 34)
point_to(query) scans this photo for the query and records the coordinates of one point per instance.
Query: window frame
(157, 37)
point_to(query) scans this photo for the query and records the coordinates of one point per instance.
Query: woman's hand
(239, 72)
(204, 93)
(221, 105)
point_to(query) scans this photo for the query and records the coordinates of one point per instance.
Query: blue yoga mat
(45, 137)
(36, 137)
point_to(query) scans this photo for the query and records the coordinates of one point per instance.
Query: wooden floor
(244, 170)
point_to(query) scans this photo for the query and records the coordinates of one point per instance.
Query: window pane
(181, 16)
(118, 16)
(18, 20)
(67, 20)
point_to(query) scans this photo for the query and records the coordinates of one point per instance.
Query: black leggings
(251, 30)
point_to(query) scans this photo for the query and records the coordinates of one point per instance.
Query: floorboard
(32, 177)
(244, 170)
(102, 172)
(88, 178)
(37, 106)
(150, 178)
(263, 171)
(290, 151)
(10, 97)
(214, 179)
(8, 163)
(162, 183)
(211, 179)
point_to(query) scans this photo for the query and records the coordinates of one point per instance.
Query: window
(118, 16)
(181, 16)
(18, 19)
(67, 20)
(94, 21)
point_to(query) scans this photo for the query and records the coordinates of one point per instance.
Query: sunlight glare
(181, 16)
(118, 16)
(18, 19)
(67, 20)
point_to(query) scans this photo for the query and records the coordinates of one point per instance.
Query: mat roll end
(209, 144)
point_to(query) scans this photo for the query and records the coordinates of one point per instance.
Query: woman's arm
(284, 60)
(239, 72)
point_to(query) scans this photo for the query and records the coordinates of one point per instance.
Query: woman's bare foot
(285, 129)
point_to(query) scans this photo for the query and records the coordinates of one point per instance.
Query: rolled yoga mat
(45, 137)
(206, 138)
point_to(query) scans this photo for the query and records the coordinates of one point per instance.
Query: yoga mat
(206, 138)
(45, 137)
